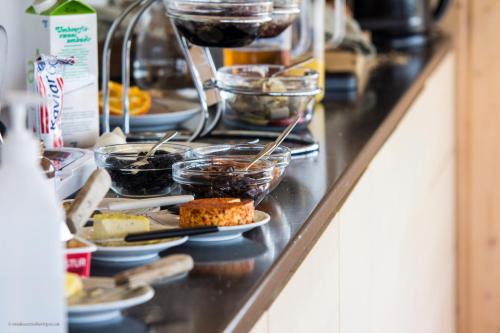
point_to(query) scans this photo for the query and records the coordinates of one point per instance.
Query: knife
(105, 289)
(126, 204)
(160, 234)
(86, 201)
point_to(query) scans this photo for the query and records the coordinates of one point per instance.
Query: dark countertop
(235, 282)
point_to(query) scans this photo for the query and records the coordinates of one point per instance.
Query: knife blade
(126, 204)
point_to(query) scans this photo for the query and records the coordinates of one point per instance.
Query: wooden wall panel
(476, 29)
(483, 146)
(456, 24)
(460, 29)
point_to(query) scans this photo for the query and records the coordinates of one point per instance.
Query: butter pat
(117, 225)
(73, 285)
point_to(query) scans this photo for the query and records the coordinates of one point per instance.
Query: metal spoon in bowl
(284, 70)
(290, 67)
(271, 146)
(144, 160)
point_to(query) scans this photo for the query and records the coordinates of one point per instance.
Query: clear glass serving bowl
(285, 12)
(153, 179)
(224, 177)
(251, 96)
(219, 23)
(280, 157)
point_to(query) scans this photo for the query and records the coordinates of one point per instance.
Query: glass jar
(227, 23)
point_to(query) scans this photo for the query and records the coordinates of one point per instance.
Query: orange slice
(140, 100)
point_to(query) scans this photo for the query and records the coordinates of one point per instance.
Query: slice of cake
(117, 225)
(216, 212)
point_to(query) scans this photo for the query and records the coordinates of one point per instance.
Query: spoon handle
(267, 148)
(169, 135)
(285, 133)
(292, 66)
(271, 146)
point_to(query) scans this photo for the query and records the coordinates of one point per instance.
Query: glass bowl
(280, 157)
(252, 97)
(224, 177)
(152, 179)
(219, 23)
(285, 12)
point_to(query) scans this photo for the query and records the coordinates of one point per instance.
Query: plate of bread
(232, 216)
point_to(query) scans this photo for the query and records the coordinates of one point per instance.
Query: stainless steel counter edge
(262, 296)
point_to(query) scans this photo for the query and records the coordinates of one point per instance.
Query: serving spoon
(144, 160)
(290, 67)
(271, 146)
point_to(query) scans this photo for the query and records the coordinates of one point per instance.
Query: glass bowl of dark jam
(223, 177)
(285, 12)
(149, 180)
(215, 23)
(280, 157)
(252, 97)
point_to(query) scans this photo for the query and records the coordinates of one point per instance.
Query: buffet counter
(233, 285)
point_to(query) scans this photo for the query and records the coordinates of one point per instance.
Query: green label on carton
(66, 7)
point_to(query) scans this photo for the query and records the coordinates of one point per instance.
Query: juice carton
(67, 28)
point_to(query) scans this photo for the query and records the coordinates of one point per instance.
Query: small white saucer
(130, 253)
(80, 314)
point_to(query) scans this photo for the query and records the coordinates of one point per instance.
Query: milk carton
(68, 28)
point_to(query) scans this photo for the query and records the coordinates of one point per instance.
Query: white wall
(11, 13)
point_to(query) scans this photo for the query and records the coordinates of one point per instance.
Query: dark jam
(152, 179)
(277, 25)
(218, 34)
(222, 181)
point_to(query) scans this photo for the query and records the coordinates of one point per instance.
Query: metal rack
(204, 126)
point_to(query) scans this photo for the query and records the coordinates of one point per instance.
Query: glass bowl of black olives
(223, 177)
(280, 157)
(219, 23)
(148, 180)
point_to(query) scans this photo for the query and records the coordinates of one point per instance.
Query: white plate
(227, 233)
(164, 115)
(107, 311)
(130, 253)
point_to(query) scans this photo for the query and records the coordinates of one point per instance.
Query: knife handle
(166, 267)
(95, 189)
(169, 233)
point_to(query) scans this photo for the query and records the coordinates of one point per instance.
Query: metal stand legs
(203, 58)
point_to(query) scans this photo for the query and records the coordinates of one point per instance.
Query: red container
(78, 256)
